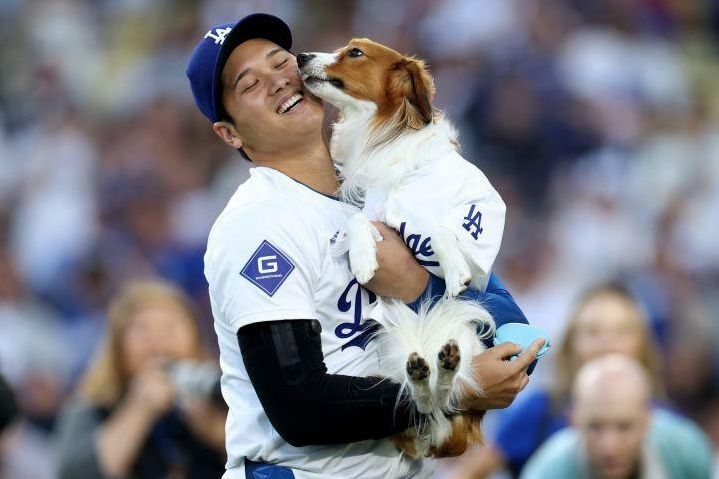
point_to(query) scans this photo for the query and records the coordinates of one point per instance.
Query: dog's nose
(303, 58)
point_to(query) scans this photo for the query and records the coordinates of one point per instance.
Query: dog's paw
(448, 357)
(418, 373)
(417, 367)
(362, 237)
(363, 263)
(457, 280)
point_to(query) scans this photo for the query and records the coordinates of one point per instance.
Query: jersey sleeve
(261, 264)
(477, 220)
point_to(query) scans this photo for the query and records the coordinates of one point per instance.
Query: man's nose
(303, 58)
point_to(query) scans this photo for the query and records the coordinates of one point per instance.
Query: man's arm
(306, 405)
(400, 276)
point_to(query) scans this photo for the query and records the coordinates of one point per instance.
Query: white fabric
(306, 228)
(445, 192)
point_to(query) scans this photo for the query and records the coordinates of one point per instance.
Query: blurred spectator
(617, 435)
(35, 355)
(24, 451)
(606, 319)
(8, 406)
(134, 416)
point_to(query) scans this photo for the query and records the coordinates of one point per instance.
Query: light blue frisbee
(523, 334)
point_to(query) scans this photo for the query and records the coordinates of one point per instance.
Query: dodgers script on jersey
(276, 253)
(446, 192)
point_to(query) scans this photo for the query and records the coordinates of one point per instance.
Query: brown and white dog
(399, 160)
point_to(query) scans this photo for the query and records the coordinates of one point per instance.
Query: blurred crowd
(597, 121)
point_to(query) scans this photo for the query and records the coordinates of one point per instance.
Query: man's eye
(281, 64)
(250, 87)
(355, 52)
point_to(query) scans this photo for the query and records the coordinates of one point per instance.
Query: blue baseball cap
(204, 69)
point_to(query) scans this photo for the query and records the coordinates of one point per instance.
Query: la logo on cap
(219, 35)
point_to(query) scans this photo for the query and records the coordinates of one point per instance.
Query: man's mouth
(291, 103)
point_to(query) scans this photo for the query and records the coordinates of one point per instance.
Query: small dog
(399, 160)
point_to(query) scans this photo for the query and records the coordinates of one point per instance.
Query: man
(616, 435)
(288, 313)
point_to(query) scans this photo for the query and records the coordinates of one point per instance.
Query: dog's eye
(355, 52)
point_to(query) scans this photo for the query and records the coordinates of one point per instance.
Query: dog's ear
(412, 84)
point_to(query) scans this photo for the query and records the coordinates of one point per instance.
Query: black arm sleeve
(306, 405)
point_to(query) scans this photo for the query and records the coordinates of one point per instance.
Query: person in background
(606, 319)
(8, 405)
(132, 417)
(617, 435)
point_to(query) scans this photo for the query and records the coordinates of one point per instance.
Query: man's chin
(612, 471)
(311, 97)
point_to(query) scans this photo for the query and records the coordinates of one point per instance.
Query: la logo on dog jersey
(268, 268)
(473, 222)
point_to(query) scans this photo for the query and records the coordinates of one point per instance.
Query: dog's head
(367, 74)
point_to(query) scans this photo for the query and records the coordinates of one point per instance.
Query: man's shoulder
(684, 448)
(557, 457)
(255, 204)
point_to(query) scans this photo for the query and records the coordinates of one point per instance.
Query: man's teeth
(289, 103)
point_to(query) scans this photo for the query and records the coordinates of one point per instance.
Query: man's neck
(312, 167)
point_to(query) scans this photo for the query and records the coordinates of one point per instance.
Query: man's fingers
(527, 357)
(383, 229)
(525, 381)
(506, 350)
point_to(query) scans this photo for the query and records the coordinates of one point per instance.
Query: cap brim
(257, 25)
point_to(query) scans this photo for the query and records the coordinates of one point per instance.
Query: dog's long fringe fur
(404, 332)
(379, 163)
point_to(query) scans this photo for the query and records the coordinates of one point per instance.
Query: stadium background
(598, 122)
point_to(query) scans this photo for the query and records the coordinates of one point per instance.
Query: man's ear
(228, 133)
(412, 83)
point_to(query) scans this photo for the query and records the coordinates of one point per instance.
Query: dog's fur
(446, 332)
(388, 134)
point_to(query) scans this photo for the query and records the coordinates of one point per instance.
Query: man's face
(263, 94)
(613, 428)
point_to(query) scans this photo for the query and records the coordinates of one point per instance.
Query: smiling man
(289, 315)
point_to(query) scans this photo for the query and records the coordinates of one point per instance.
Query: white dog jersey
(276, 253)
(445, 192)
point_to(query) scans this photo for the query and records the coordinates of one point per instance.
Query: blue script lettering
(418, 246)
(346, 330)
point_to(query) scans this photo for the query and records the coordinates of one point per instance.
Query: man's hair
(225, 116)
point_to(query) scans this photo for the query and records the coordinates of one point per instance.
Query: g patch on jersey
(268, 268)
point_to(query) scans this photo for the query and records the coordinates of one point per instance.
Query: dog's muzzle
(303, 58)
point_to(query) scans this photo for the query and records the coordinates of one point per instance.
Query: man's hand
(501, 380)
(399, 275)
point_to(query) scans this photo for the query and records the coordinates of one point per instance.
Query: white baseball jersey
(445, 192)
(275, 253)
